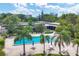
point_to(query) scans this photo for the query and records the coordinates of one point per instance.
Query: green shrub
(54, 55)
(2, 53)
(48, 31)
(2, 42)
(40, 54)
(4, 35)
(39, 28)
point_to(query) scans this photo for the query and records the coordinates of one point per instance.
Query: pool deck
(38, 34)
(12, 50)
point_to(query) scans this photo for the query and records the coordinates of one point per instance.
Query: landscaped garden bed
(41, 54)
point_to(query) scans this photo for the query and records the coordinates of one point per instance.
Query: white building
(2, 29)
(49, 25)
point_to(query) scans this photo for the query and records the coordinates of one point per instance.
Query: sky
(35, 9)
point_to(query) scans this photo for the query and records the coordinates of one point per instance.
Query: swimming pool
(36, 39)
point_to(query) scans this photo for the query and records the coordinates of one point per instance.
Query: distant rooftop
(40, 22)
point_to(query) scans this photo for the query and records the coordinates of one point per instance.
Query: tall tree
(64, 37)
(42, 15)
(76, 42)
(10, 23)
(47, 38)
(22, 33)
(76, 39)
(42, 41)
(39, 28)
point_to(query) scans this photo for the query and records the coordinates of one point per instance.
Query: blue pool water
(36, 39)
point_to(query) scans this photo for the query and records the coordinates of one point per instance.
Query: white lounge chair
(65, 52)
(50, 47)
(33, 48)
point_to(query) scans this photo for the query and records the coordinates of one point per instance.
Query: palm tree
(76, 42)
(64, 37)
(49, 41)
(52, 38)
(30, 38)
(22, 33)
(47, 38)
(42, 41)
(76, 39)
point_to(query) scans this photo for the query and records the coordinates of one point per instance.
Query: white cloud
(54, 7)
(38, 10)
(75, 8)
(41, 4)
(63, 10)
(22, 8)
(20, 4)
(31, 3)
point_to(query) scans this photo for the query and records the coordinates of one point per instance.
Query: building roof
(23, 23)
(40, 22)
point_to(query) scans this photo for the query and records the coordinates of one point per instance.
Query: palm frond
(56, 41)
(76, 41)
(62, 44)
(42, 39)
(18, 38)
(47, 38)
(29, 37)
(66, 37)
